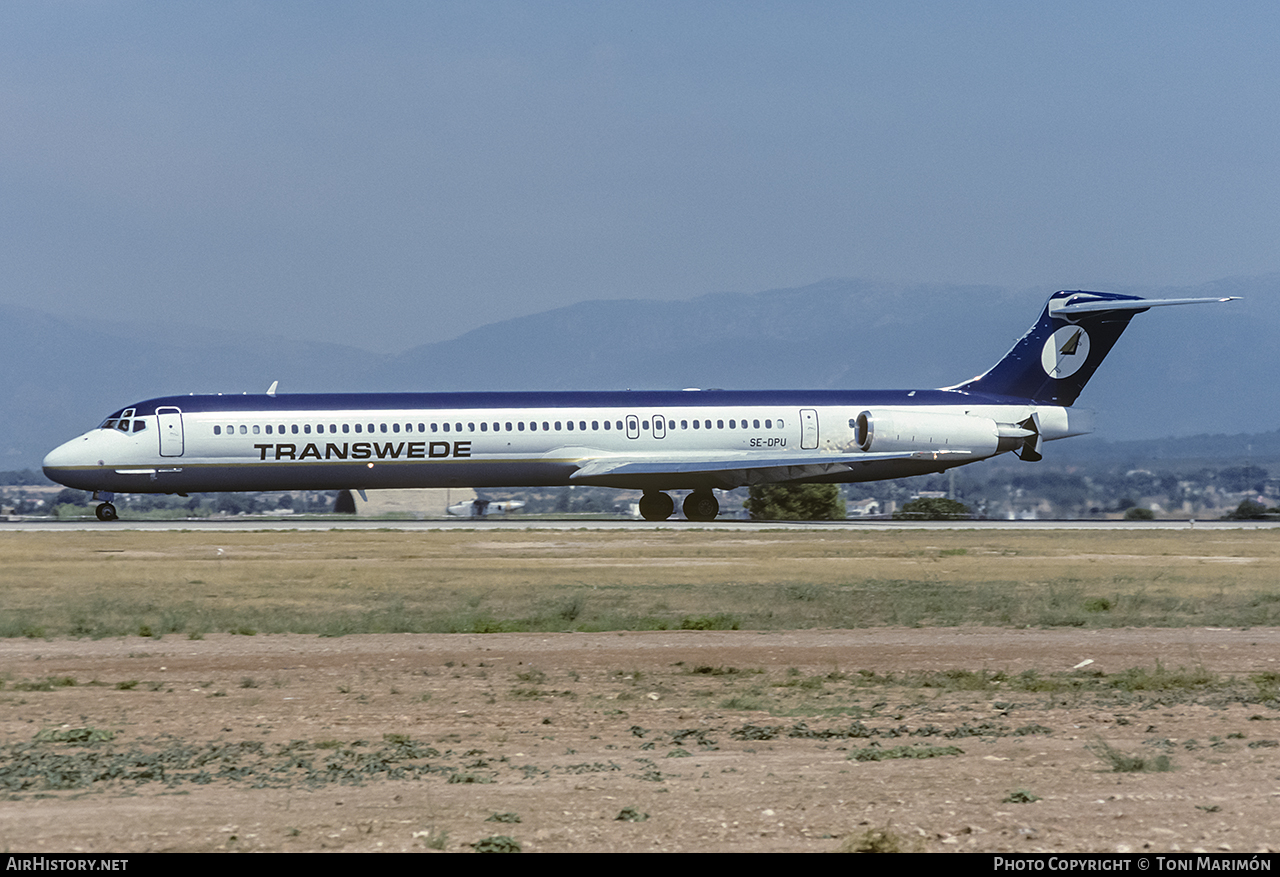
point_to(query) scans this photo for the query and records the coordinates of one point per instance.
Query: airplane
(653, 441)
(479, 508)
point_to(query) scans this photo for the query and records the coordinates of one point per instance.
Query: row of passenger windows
(484, 426)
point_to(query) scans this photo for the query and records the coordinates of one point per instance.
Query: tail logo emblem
(1065, 351)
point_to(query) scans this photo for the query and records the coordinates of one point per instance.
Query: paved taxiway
(516, 523)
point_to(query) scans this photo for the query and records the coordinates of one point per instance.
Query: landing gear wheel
(656, 506)
(701, 505)
(106, 512)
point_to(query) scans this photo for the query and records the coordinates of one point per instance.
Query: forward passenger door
(170, 422)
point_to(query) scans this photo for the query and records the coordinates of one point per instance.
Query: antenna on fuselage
(271, 391)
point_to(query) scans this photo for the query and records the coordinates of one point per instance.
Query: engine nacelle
(889, 430)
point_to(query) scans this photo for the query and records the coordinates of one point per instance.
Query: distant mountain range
(1195, 371)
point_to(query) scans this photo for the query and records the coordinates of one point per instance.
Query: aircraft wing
(733, 470)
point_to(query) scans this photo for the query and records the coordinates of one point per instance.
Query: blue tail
(1055, 359)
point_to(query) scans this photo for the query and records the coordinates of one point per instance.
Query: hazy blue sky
(386, 174)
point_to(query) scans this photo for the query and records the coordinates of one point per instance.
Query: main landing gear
(656, 506)
(701, 505)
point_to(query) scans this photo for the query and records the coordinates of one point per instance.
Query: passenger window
(569, 425)
(268, 428)
(395, 427)
(217, 430)
(606, 424)
(520, 426)
(582, 425)
(533, 426)
(244, 430)
(557, 426)
(595, 424)
(346, 427)
(697, 425)
(684, 424)
(256, 429)
(383, 427)
(306, 428)
(457, 427)
(293, 427)
(446, 427)
(508, 426)
(719, 424)
(756, 424)
(358, 427)
(768, 424)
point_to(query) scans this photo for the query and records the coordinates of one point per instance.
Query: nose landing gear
(106, 511)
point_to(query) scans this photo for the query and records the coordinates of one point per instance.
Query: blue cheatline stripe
(633, 401)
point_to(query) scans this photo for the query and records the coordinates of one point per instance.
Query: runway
(319, 523)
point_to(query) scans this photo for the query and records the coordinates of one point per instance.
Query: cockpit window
(120, 420)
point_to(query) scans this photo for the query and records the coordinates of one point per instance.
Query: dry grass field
(656, 690)
(339, 582)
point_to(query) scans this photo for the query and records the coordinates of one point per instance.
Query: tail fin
(1055, 359)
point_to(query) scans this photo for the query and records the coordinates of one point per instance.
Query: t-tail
(1055, 359)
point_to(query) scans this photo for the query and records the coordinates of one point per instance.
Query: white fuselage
(257, 446)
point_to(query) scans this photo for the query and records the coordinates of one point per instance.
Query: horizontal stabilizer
(1139, 305)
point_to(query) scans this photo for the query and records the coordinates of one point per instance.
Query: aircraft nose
(65, 460)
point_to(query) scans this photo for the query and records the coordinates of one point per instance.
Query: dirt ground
(700, 740)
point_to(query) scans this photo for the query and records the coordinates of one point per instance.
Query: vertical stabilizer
(1053, 361)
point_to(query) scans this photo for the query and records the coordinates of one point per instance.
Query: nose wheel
(656, 506)
(106, 512)
(701, 505)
